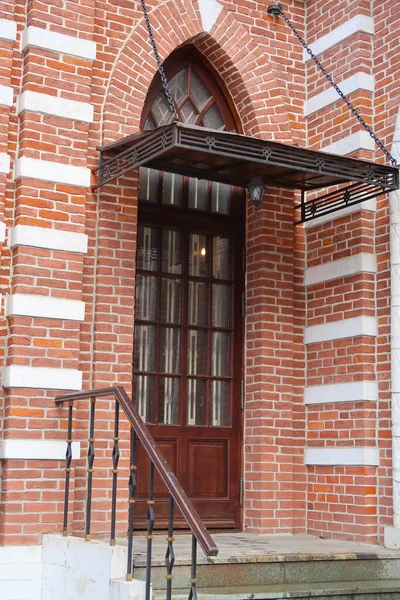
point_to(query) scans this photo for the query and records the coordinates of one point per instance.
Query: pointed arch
(259, 94)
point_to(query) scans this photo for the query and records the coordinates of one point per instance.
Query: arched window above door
(193, 101)
(199, 100)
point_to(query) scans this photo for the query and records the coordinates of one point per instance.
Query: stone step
(343, 590)
(279, 570)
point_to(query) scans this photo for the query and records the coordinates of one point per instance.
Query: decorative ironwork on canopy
(239, 160)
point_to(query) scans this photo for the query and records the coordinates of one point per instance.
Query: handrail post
(115, 458)
(68, 459)
(90, 461)
(150, 528)
(132, 500)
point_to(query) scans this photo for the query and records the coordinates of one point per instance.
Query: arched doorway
(187, 368)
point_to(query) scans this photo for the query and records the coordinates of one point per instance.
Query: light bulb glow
(203, 251)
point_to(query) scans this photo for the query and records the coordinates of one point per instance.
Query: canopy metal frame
(239, 160)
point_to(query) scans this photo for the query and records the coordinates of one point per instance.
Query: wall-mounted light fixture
(274, 10)
(256, 189)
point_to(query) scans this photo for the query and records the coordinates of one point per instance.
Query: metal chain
(164, 81)
(335, 86)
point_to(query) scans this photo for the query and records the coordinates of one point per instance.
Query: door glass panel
(161, 110)
(145, 344)
(189, 112)
(221, 258)
(146, 298)
(197, 314)
(196, 352)
(198, 194)
(199, 91)
(220, 358)
(169, 350)
(198, 255)
(219, 404)
(213, 118)
(196, 402)
(145, 397)
(170, 301)
(221, 198)
(172, 189)
(171, 252)
(147, 252)
(168, 401)
(179, 86)
(221, 305)
(149, 184)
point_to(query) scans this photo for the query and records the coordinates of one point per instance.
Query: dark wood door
(188, 353)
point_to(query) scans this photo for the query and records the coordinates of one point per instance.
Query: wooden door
(188, 354)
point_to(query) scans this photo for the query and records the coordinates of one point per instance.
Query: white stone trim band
(358, 81)
(342, 267)
(2, 232)
(4, 163)
(50, 239)
(359, 23)
(58, 42)
(46, 378)
(55, 106)
(360, 140)
(369, 205)
(33, 305)
(338, 330)
(337, 456)
(6, 95)
(37, 449)
(55, 172)
(352, 391)
(8, 30)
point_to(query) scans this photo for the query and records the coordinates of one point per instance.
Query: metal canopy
(239, 160)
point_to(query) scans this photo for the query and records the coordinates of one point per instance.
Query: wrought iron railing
(177, 496)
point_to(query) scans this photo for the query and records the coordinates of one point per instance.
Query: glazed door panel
(188, 360)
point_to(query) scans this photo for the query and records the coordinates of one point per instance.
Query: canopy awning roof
(238, 160)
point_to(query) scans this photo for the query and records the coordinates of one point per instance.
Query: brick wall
(94, 56)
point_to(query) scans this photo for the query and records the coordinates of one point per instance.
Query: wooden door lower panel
(203, 466)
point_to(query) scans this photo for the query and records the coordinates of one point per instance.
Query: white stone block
(4, 163)
(6, 95)
(352, 391)
(37, 450)
(55, 106)
(55, 172)
(392, 538)
(52, 239)
(343, 267)
(58, 42)
(209, 12)
(337, 456)
(8, 30)
(46, 378)
(127, 590)
(337, 330)
(31, 305)
(20, 572)
(359, 23)
(360, 140)
(358, 81)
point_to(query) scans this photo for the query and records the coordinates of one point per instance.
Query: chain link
(159, 63)
(336, 87)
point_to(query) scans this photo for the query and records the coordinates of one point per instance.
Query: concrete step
(279, 570)
(343, 590)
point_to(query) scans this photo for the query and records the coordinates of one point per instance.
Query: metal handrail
(180, 497)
